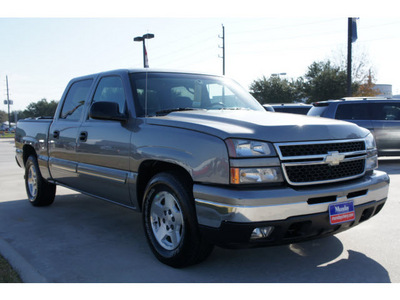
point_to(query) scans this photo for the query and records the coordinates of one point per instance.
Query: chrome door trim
(114, 175)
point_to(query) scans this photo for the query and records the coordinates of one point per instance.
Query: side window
(75, 100)
(386, 111)
(317, 111)
(110, 89)
(356, 111)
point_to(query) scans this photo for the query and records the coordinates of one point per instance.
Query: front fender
(203, 156)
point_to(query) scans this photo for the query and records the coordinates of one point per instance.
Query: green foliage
(274, 90)
(41, 108)
(3, 116)
(323, 81)
(7, 273)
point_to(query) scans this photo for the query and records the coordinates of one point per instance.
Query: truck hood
(260, 125)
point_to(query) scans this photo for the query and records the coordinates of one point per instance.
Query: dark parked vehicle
(203, 161)
(293, 108)
(380, 115)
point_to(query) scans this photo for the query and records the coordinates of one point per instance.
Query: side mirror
(106, 111)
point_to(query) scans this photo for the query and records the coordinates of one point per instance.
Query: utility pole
(351, 38)
(8, 104)
(223, 49)
(349, 42)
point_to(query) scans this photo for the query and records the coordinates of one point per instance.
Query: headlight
(256, 175)
(249, 148)
(372, 153)
(239, 148)
(370, 142)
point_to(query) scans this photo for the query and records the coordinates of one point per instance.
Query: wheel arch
(28, 150)
(150, 168)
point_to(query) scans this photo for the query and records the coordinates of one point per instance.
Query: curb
(24, 269)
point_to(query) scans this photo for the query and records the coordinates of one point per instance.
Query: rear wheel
(39, 191)
(170, 222)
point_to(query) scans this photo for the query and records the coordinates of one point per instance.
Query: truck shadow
(82, 239)
(319, 261)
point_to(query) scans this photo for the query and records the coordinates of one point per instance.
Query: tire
(39, 191)
(170, 222)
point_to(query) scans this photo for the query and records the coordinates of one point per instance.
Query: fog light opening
(261, 232)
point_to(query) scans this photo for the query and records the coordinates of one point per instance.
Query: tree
(366, 89)
(40, 109)
(323, 81)
(274, 90)
(361, 66)
(3, 116)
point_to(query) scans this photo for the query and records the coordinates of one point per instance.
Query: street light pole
(142, 39)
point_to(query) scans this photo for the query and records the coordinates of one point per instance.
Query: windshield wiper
(170, 110)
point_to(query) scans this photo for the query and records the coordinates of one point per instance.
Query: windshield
(161, 93)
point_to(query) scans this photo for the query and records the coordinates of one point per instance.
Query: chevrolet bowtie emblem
(334, 158)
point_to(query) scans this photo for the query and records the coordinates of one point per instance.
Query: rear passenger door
(103, 147)
(386, 121)
(63, 133)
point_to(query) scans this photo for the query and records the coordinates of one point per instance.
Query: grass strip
(7, 273)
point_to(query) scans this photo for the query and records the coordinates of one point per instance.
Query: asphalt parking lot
(80, 239)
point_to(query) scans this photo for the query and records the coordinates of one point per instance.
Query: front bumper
(228, 216)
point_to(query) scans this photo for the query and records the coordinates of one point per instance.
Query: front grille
(321, 148)
(320, 162)
(324, 172)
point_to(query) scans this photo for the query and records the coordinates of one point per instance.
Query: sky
(43, 46)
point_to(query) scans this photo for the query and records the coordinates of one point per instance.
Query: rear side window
(352, 111)
(317, 111)
(75, 100)
(386, 111)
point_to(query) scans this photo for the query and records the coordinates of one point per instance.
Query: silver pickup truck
(203, 161)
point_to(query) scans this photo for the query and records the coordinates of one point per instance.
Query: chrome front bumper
(215, 205)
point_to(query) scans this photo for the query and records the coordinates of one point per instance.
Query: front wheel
(39, 191)
(170, 222)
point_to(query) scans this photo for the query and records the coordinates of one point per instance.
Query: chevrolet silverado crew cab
(202, 161)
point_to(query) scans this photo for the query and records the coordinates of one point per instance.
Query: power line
(190, 55)
(283, 26)
(270, 40)
(187, 46)
(283, 49)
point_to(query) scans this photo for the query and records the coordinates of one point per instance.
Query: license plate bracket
(341, 212)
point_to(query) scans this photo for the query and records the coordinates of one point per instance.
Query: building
(384, 89)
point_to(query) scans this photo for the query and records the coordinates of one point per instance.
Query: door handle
(83, 136)
(56, 134)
